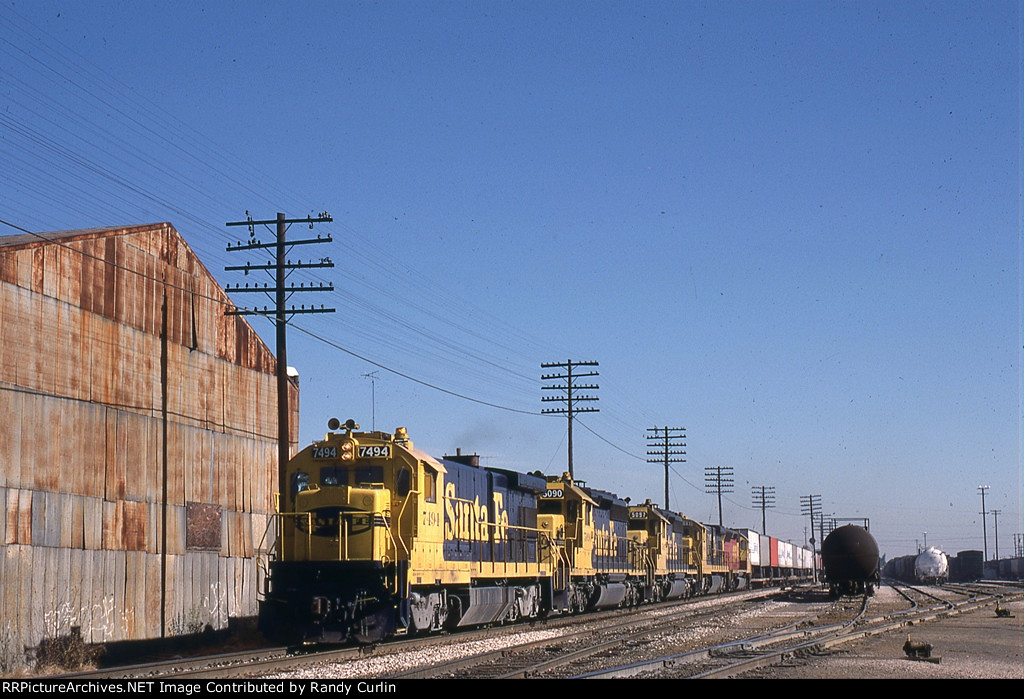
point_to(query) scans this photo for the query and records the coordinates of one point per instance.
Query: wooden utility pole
(280, 292)
(984, 531)
(764, 497)
(570, 398)
(809, 504)
(664, 441)
(718, 479)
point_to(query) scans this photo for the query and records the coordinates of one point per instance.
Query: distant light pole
(995, 519)
(809, 504)
(372, 376)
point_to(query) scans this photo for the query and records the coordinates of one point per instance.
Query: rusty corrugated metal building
(138, 440)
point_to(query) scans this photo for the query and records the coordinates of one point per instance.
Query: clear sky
(793, 228)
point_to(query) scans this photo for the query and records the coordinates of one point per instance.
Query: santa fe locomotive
(376, 538)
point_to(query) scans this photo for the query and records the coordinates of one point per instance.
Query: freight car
(931, 567)
(376, 538)
(776, 563)
(850, 557)
(966, 566)
(900, 568)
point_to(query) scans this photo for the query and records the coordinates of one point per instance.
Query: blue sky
(793, 228)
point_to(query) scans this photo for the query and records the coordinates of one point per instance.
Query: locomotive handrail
(261, 566)
(279, 516)
(401, 512)
(644, 559)
(383, 561)
(391, 536)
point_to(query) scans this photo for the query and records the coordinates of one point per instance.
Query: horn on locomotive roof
(334, 423)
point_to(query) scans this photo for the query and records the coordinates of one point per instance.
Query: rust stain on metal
(133, 532)
(80, 347)
(202, 526)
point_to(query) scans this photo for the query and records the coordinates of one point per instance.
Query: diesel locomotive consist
(376, 538)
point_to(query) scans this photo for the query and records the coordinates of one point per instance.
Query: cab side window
(300, 482)
(429, 484)
(403, 481)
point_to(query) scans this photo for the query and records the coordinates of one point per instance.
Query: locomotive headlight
(346, 451)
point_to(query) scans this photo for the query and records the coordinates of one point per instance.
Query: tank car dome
(931, 563)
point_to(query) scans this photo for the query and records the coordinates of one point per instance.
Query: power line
(407, 376)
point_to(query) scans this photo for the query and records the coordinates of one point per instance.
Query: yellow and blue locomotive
(670, 557)
(586, 546)
(375, 538)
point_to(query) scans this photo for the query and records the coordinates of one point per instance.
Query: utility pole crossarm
(764, 498)
(280, 267)
(664, 442)
(718, 479)
(571, 397)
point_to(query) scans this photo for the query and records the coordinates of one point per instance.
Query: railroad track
(273, 661)
(235, 664)
(736, 657)
(594, 641)
(707, 637)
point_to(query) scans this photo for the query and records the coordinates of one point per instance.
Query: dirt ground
(977, 645)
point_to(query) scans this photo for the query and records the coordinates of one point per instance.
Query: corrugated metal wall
(82, 447)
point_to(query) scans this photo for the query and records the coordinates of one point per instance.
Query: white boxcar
(753, 546)
(785, 554)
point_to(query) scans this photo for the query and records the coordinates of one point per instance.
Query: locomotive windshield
(333, 475)
(549, 507)
(369, 474)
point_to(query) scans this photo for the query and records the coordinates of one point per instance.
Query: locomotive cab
(343, 531)
(336, 521)
(565, 518)
(644, 543)
(375, 539)
(662, 551)
(565, 515)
